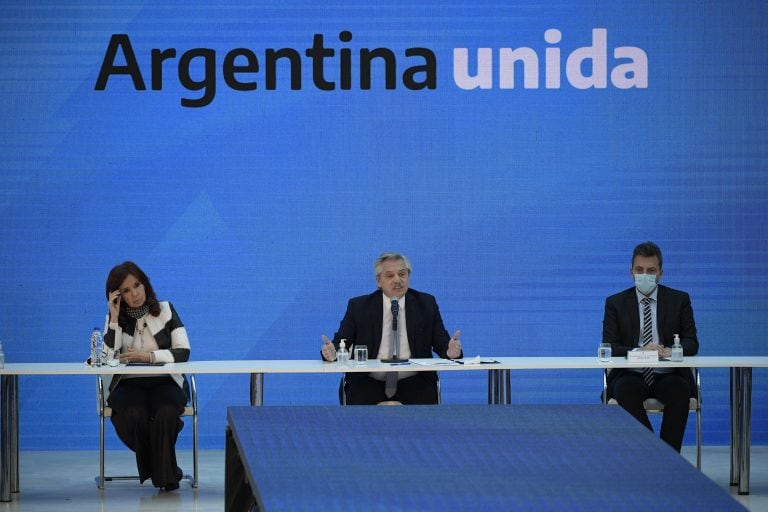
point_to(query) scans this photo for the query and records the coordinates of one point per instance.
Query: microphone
(394, 338)
(395, 311)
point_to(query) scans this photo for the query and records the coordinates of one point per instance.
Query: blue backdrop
(260, 213)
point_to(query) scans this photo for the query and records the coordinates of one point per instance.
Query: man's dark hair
(647, 249)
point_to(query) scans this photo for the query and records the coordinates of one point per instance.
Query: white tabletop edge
(317, 366)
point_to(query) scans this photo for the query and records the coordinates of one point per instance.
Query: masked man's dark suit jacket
(621, 326)
(362, 324)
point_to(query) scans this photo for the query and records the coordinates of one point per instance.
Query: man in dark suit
(369, 321)
(646, 317)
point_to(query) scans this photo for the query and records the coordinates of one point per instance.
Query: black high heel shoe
(175, 485)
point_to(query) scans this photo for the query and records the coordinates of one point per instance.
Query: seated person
(146, 409)
(647, 316)
(372, 320)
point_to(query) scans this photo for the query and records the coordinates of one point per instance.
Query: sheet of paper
(433, 362)
(476, 360)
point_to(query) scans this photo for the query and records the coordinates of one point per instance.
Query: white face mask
(645, 283)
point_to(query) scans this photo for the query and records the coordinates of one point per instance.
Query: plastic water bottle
(342, 355)
(677, 350)
(2, 356)
(97, 346)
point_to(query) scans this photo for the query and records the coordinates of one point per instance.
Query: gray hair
(390, 256)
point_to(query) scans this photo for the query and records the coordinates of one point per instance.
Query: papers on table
(643, 356)
(434, 362)
(452, 362)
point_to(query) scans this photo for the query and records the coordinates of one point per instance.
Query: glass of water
(361, 354)
(604, 353)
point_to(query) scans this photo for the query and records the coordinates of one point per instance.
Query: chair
(655, 407)
(105, 412)
(343, 395)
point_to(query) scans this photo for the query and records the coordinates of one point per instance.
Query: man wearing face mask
(646, 317)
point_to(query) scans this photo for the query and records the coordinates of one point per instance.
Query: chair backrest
(102, 408)
(105, 411)
(343, 395)
(652, 405)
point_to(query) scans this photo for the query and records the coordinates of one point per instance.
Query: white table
(498, 390)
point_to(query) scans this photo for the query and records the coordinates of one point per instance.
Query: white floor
(64, 482)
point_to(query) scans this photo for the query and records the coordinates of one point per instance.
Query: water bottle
(677, 350)
(342, 355)
(2, 356)
(97, 346)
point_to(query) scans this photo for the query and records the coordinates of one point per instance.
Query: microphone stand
(394, 340)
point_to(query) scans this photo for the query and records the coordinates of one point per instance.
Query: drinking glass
(361, 354)
(604, 353)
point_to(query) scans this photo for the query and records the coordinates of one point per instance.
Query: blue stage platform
(466, 457)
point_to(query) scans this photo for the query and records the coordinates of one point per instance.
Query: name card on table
(643, 356)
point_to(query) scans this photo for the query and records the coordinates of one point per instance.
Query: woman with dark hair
(146, 409)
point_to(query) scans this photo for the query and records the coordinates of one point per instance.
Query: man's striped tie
(647, 336)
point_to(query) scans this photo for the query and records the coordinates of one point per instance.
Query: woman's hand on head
(114, 305)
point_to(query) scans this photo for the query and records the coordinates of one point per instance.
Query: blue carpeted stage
(519, 457)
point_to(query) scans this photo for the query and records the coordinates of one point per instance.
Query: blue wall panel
(260, 213)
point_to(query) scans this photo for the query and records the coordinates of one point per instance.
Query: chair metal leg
(698, 439)
(100, 479)
(343, 393)
(194, 450)
(697, 379)
(194, 479)
(698, 416)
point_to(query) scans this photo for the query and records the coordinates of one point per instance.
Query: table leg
(15, 433)
(257, 389)
(499, 387)
(745, 431)
(735, 427)
(9, 436)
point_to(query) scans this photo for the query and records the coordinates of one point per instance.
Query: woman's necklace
(140, 330)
